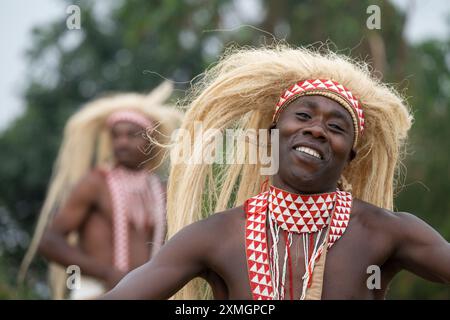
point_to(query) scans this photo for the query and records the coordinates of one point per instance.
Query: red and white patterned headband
(129, 116)
(330, 89)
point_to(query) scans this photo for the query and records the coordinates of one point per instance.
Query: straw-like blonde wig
(241, 92)
(87, 143)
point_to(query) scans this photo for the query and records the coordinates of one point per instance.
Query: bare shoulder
(371, 215)
(95, 177)
(227, 220)
(220, 226)
(220, 223)
(88, 189)
(81, 200)
(202, 238)
(91, 183)
(385, 221)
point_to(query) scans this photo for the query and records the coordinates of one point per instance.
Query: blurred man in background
(110, 218)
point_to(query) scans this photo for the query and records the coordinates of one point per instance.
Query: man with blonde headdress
(117, 208)
(322, 223)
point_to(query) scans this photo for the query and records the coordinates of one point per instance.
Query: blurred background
(48, 71)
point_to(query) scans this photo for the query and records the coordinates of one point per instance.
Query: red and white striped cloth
(138, 199)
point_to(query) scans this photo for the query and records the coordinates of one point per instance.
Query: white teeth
(309, 151)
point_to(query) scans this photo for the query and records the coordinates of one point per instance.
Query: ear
(272, 126)
(351, 156)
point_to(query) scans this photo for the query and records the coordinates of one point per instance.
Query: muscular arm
(181, 259)
(421, 249)
(54, 244)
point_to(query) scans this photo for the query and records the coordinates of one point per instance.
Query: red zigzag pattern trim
(257, 254)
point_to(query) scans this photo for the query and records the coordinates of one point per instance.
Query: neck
(303, 188)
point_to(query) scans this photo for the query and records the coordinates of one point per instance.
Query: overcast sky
(17, 18)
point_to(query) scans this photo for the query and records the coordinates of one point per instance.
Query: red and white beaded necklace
(131, 193)
(288, 213)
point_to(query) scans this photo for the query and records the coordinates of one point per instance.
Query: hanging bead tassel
(274, 267)
(309, 265)
(311, 252)
(291, 283)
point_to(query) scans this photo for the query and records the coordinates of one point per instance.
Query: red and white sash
(257, 251)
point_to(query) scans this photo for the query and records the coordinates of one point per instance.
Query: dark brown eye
(337, 127)
(303, 115)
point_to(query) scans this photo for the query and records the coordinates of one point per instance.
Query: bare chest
(349, 273)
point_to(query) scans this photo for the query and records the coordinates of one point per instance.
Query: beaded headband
(129, 116)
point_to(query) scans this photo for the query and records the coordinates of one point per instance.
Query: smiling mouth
(309, 151)
(122, 153)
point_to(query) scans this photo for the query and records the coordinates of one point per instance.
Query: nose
(121, 141)
(316, 130)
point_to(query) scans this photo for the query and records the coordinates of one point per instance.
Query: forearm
(148, 282)
(183, 258)
(55, 248)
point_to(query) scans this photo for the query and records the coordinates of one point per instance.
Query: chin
(305, 180)
(123, 162)
(305, 174)
(305, 184)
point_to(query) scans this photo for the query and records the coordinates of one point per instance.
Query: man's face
(316, 139)
(128, 144)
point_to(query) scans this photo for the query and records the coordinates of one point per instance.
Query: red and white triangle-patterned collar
(300, 213)
(257, 253)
